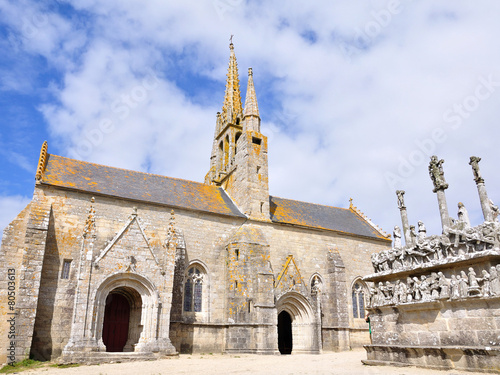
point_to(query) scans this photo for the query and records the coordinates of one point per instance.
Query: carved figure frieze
(436, 286)
(458, 242)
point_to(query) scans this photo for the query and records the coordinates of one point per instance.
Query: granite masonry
(107, 264)
(435, 302)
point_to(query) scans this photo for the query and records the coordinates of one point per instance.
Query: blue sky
(354, 98)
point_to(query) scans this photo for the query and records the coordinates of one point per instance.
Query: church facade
(108, 263)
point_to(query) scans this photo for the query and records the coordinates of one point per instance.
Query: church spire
(251, 113)
(232, 111)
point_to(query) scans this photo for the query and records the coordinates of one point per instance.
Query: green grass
(23, 365)
(29, 364)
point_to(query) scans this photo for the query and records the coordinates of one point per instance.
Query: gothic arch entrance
(297, 326)
(126, 312)
(285, 342)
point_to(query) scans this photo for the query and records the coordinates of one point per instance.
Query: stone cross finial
(437, 174)
(474, 162)
(401, 199)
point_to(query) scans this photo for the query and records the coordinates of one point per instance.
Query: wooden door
(116, 322)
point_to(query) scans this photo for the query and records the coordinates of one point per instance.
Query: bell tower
(239, 155)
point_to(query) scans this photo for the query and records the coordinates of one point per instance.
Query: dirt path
(345, 363)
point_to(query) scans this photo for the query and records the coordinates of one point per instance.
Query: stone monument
(436, 301)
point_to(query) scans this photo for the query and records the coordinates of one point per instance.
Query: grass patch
(23, 365)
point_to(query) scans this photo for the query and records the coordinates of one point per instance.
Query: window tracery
(193, 290)
(358, 300)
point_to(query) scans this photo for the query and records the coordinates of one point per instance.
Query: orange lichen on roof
(322, 217)
(69, 173)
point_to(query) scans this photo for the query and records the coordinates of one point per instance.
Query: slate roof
(318, 216)
(116, 182)
(99, 179)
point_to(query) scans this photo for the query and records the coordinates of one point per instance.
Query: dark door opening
(116, 321)
(285, 333)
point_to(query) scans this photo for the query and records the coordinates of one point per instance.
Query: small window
(193, 290)
(358, 300)
(66, 268)
(237, 252)
(256, 140)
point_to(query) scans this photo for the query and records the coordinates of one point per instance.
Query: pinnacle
(232, 108)
(251, 106)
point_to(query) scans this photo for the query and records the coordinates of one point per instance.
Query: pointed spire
(251, 106)
(232, 108)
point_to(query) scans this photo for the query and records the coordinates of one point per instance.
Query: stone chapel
(107, 263)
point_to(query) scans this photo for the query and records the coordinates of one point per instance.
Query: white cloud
(349, 91)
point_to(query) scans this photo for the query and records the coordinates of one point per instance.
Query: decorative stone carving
(474, 289)
(422, 231)
(474, 162)
(437, 174)
(463, 216)
(397, 237)
(494, 282)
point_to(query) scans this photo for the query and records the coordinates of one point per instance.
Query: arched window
(358, 300)
(193, 290)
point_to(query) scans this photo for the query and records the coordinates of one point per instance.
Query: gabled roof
(312, 215)
(99, 179)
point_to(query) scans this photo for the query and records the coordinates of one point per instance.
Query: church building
(109, 264)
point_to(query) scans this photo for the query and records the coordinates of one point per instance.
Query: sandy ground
(345, 363)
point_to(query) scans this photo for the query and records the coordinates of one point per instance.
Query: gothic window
(358, 300)
(193, 290)
(66, 269)
(238, 135)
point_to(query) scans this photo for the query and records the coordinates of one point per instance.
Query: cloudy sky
(354, 96)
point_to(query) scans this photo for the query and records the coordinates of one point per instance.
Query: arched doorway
(296, 318)
(116, 322)
(285, 341)
(112, 298)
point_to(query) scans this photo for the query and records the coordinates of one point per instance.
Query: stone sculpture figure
(444, 286)
(463, 216)
(316, 285)
(372, 294)
(434, 285)
(397, 237)
(474, 162)
(389, 292)
(437, 174)
(425, 288)
(473, 289)
(380, 294)
(494, 282)
(422, 231)
(494, 211)
(463, 284)
(413, 234)
(402, 292)
(486, 280)
(455, 287)
(410, 290)
(416, 289)
(472, 238)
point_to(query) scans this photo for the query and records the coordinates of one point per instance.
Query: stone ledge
(94, 358)
(432, 304)
(473, 358)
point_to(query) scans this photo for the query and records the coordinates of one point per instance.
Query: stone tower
(239, 156)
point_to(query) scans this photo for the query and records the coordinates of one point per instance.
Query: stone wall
(73, 233)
